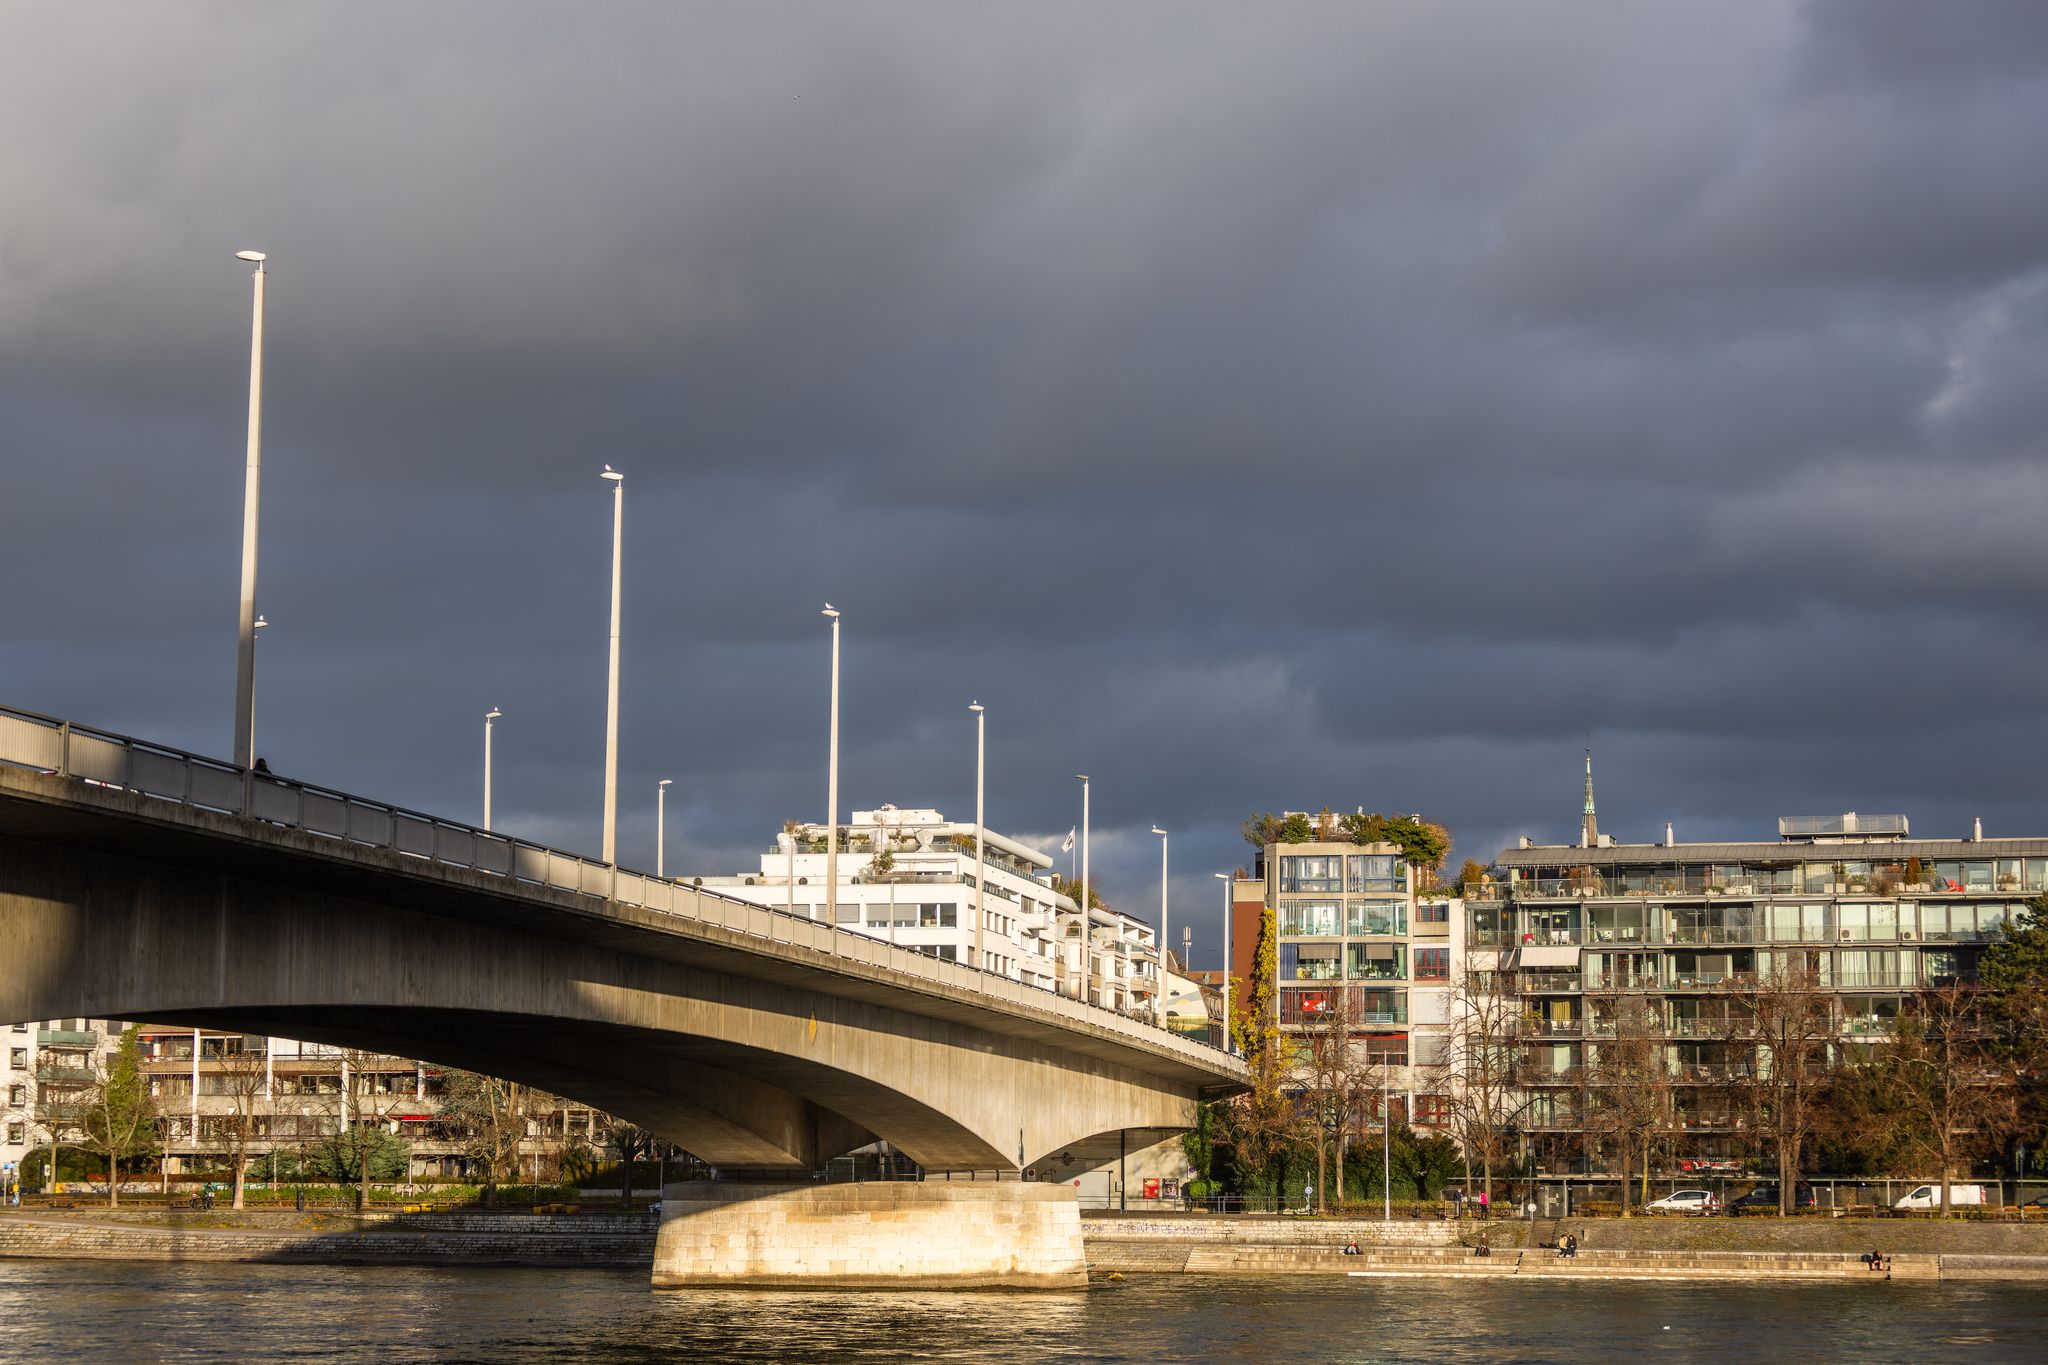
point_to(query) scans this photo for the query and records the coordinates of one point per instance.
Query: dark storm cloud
(1256, 407)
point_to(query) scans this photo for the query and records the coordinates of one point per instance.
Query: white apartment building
(908, 876)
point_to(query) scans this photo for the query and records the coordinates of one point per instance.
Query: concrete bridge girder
(738, 1061)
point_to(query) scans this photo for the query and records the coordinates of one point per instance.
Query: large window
(1368, 918)
(1432, 964)
(930, 916)
(1433, 912)
(1309, 918)
(1375, 872)
(1308, 961)
(1376, 962)
(1305, 1005)
(1311, 872)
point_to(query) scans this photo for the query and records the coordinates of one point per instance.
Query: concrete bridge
(140, 882)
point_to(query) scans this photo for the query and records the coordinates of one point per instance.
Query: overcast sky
(1255, 406)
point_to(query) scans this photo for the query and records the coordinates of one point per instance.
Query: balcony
(1539, 983)
(66, 1037)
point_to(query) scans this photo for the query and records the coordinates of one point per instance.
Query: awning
(1316, 951)
(1379, 952)
(1546, 955)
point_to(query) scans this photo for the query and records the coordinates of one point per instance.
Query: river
(99, 1311)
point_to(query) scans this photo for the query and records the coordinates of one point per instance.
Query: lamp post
(1159, 987)
(1386, 1146)
(661, 826)
(252, 489)
(490, 717)
(1082, 778)
(1228, 906)
(611, 706)
(255, 633)
(831, 614)
(980, 829)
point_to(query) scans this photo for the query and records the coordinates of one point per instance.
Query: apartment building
(1867, 913)
(1359, 941)
(908, 876)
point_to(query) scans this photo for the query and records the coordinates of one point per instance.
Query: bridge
(139, 881)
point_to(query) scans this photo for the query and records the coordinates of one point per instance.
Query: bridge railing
(103, 758)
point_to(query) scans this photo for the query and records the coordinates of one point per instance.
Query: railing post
(63, 748)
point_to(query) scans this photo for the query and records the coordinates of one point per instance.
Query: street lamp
(255, 633)
(1228, 907)
(611, 706)
(1082, 778)
(661, 827)
(490, 716)
(831, 613)
(252, 488)
(1159, 992)
(980, 829)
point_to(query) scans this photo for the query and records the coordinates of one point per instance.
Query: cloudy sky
(1257, 407)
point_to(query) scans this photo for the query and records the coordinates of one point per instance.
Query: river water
(97, 1311)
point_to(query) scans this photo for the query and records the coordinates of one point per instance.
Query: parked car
(1929, 1197)
(1764, 1199)
(1696, 1202)
(2039, 1201)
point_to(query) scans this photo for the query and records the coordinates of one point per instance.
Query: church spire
(1589, 828)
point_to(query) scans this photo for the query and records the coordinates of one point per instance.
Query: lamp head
(614, 475)
(1160, 832)
(667, 782)
(1080, 777)
(253, 257)
(1221, 876)
(831, 612)
(258, 624)
(975, 707)
(493, 714)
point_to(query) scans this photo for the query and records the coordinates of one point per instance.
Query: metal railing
(105, 759)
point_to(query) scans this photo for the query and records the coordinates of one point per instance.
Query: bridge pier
(871, 1235)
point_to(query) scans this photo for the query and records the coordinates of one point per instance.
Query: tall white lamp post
(980, 830)
(1082, 899)
(490, 717)
(611, 705)
(831, 613)
(1159, 994)
(252, 490)
(661, 827)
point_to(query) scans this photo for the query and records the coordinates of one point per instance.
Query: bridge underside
(749, 1055)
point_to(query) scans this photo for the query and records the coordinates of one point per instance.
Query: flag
(1068, 846)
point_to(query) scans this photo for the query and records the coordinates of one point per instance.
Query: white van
(1929, 1197)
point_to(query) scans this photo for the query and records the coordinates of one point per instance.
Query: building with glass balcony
(1357, 941)
(1855, 904)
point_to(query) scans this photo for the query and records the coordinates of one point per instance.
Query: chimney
(1669, 838)
(1523, 842)
(1977, 830)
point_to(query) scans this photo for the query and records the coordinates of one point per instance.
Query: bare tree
(490, 1117)
(1941, 1068)
(1629, 1083)
(1341, 1080)
(631, 1142)
(1476, 1070)
(366, 1108)
(1788, 1032)
(245, 1083)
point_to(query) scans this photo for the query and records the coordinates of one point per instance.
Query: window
(1432, 1111)
(847, 912)
(1375, 872)
(1308, 961)
(935, 916)
(1377, 917)
(1300, 873)
(17, 1094)
(1433, 912)
(1376, 962)
(17, 1057)
(15, 1133)
(1432, 964)
(1308, 917)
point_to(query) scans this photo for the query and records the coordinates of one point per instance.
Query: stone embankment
(618, 1241)
(1648, 1250)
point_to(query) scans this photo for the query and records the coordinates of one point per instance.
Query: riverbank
(1640, 1249)
(1701, 1248)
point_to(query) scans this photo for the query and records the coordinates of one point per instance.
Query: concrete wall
(894, 1235)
